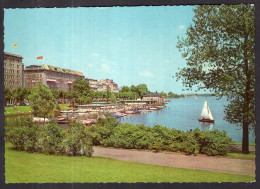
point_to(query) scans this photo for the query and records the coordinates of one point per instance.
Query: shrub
(78, 140)
(50, 139)
(189, 145)
(213, 142)
(24, 137)
(103, 130)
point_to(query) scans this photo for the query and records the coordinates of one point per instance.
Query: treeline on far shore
(81, 93)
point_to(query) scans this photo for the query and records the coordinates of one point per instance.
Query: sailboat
(206, 114)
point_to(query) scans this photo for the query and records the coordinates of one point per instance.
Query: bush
(78, 140)
(24, 137)
(110, 133)
(103, 130)
(212, 143)
(50, 139)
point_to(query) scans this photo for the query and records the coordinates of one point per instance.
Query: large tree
(219, 53)
(81, 91)
(42, 101)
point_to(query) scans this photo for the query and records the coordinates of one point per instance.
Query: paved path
(226, 165)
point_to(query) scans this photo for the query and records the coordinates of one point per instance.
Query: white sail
(206, 111)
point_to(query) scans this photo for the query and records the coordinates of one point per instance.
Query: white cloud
(107, 61)
(94, 54)
(167, 61)
(146, 74)
(105, 67)
(182, 27)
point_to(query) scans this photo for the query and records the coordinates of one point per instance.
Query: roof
(57, 69)
(153, 95)
(14, 55)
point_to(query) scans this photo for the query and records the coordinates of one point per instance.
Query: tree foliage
(81, 91)
(42, 101)
(219, 54)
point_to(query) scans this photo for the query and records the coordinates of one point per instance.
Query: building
(102, 85)
(154, 97)
(13, 71)
(93, 84)
(54, 77)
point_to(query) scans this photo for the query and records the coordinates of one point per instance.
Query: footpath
(225, 165)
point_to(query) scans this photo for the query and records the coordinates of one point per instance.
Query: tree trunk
(245, 143)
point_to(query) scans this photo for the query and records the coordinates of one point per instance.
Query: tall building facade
(93, 84)
(53, 77)
(13, 71)
(101, 85)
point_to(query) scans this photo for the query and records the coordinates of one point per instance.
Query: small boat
(40, 120)
(86, 122)
(129, 112)
(115, 115)
(136, 112)
(206, 114)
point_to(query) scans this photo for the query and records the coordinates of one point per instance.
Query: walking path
(226, 165)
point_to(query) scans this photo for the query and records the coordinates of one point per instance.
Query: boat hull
(207, 120)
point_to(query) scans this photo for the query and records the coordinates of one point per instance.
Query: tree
(141, 90)
(219, 53)
(125, 89)
(19, 94)
(81, 90)
(55, 94)
(43, 101)
(108, 92)
(8, 95)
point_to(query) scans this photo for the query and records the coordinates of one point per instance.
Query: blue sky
(131, 45)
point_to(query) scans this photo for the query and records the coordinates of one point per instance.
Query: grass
(239, 143)
(18, 109)
(62, 107)
(27, 109)
(240, 155)
(23, 167)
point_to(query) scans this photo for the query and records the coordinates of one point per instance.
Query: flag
(40, 57)
(15, 45)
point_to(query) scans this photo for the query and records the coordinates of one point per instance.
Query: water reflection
(207, 126)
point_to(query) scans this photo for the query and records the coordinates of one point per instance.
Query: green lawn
(240, 155)
(23, 167)
(239, 143)
(26, 109)
(15, 110)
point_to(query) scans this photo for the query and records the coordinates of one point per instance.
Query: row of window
(33, 76)
(18, 66)
(12, 71)
(12, 83)
(12, 77)
(12, 59)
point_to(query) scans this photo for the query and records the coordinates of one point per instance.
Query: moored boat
(136, 112)
(40, 120)
(129, 112)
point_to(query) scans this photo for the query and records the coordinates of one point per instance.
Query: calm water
(183, 114)
(180, 113)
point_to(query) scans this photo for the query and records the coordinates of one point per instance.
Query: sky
(131, 45)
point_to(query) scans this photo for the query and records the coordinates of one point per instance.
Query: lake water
(183, 114)
(180, 113)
